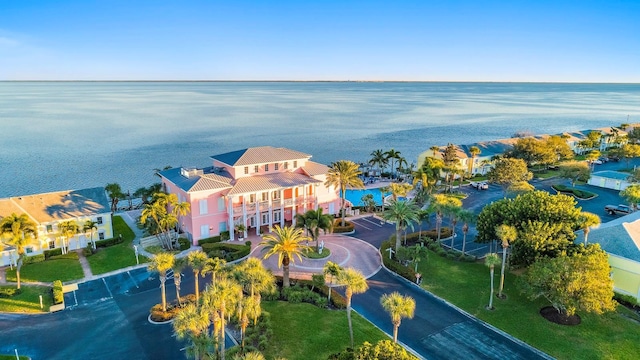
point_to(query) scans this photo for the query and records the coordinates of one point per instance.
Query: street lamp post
(135, 249)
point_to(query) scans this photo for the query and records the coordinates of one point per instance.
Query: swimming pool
(355, 196)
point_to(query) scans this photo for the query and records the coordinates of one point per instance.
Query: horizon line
(343, 81)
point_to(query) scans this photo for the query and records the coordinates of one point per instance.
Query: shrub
(9, 292)
(87, 251)
(229, 252)
(184, 243)
(109, 242)
(70, 255)
(52, 252)
(626, 300)
(58, 295)
(337, 228)
(393, 265)
(33, 259)
(224, 235)
(209, 240)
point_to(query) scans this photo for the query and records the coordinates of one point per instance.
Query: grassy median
(117, 256)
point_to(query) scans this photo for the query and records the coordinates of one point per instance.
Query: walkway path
(86, 269)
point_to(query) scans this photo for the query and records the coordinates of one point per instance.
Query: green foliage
(226, 251)
(580, 194)
(70, 256)
(109, 242)
(574, 171)
(225, 235)
(8, 292)
(545, 224)
(508, 171)
(627, 300)
(27, 300)
(210, 240)
(406, 272)
(631, 195)
(184, 243)
(87, 251)
(58, 295)
(52, 252)
(577, 282)
(383, 350)
(338, 229)
(33, 259)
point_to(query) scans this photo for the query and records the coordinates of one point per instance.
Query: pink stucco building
(260, 187)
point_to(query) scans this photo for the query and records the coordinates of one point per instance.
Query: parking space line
(361, 225)
(134, 280)
(374, 223)
(75, 297)
(107, 286)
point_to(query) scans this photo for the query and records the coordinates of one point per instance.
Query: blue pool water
(355, 196)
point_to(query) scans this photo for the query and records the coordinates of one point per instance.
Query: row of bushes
(7, 292)
(210, 240)
(58, 295)
(172, 308)
(183, 244)
(226, 251)
(258, 338)
(33, 259)
(70, 255)
(52, 254)
(109, 242)
(449, 254)
(391, 264)
(580, 194)
(338, 228)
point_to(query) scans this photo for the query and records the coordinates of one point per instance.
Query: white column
(270, 210)
(315, 194)
(244, 216)
(258, 219)
(281, 208)
(304, 197)
(232, 229)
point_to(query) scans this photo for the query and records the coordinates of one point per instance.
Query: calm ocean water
(68, 135)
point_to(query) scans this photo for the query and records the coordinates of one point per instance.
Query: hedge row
(70, 255)
(58, 295)
(184, 243)
(337, 228)
(229, 252)
(109, 242)
(33, 259)
(9, 292)
(210, 240)
(52, 252)
(391, 264)
(581, 194)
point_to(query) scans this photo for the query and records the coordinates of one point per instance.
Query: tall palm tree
(440, 203)
(399, 190)
(197, 260)
(91, 227)
(165, 211)
(491, 261)
(586, 220)
(314, 221)
(474, 151)
(341, 175)
(115, 194)
(379, 158)
(220, 298)
(402, 162)
(398, 306)
(285, 242)
(17, 231)
(192, 322)
(453, 211)
(467, 217)
(392, 155)
(214, 267)
(421, 183)
(422, 215)
(68, 229)
(243, 317)
(161, 263)
(354, 283)
(178, 265)
(254, 277)
(404, 214)
(507, 234)
(383, 190)
(332, 269)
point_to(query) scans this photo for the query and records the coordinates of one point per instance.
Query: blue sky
(428, 40)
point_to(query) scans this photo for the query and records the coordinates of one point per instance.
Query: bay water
(70, 135)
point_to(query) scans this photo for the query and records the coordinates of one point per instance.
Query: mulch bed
(553, 315)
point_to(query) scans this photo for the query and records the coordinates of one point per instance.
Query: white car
(480, 185)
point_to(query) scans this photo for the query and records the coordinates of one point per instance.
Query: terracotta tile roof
(259, 155)
(8, 207)
(313, 168)
(62, 205)
(202, 179)
(270, 182)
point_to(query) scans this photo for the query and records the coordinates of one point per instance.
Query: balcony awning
(271, 182)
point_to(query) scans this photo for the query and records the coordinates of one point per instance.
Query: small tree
(507, 234)
(354, 283)
(631, 195)
(398, 306)
(572, 283)
(161, 263)
(508, 171)
(491, 261)
(575, 171)
(197, 260)
(586, 220)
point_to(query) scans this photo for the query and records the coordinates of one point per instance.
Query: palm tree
(422, 215)
(161, 263)
(399, 190)
(243, 317)
(163, 219)
(586, 221)
(332, 269)
(491, 261)
(404, 214)
(467, 217)
(68, 229)
(197, 260)
(178, 265)
(17, 231)
(378, 158)
(192, 322)
(401, 164)
(115, 194)
(354, 283)
(398, 306)
(392, 155)
(254, 277)
(421, 177)
(343, 174)
(286, 242)
(452, 211)
(383, 190)
(474, 151)
(314, 221)
(91, 227)
(214, 267)
(368, 202)
(507, 234)
(220, 298)
(439, 204)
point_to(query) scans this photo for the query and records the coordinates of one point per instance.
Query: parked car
(596, 162)
(604, 159)
(618, 209)
(480, 185)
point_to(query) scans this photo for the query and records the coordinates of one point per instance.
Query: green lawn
(12, 357)
(467, 285)
(117, 256)
(303, 329)
(312, 254)
(28, 301)
(48, 271)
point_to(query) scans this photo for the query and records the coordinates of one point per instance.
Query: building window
(246, 170)
(28, 249)
(265, 218)
(99, 220)
(266, 167)
(101, 235)
(220, 204)
(295, 164)
(276, 166)
(275, 195)
(204, 231)
(49, 228)
(265, 196)
(223, 226)
(204, 209)
(252, 198)
(52, 244)
(286, 165)
(256, 169)
(276, 216)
